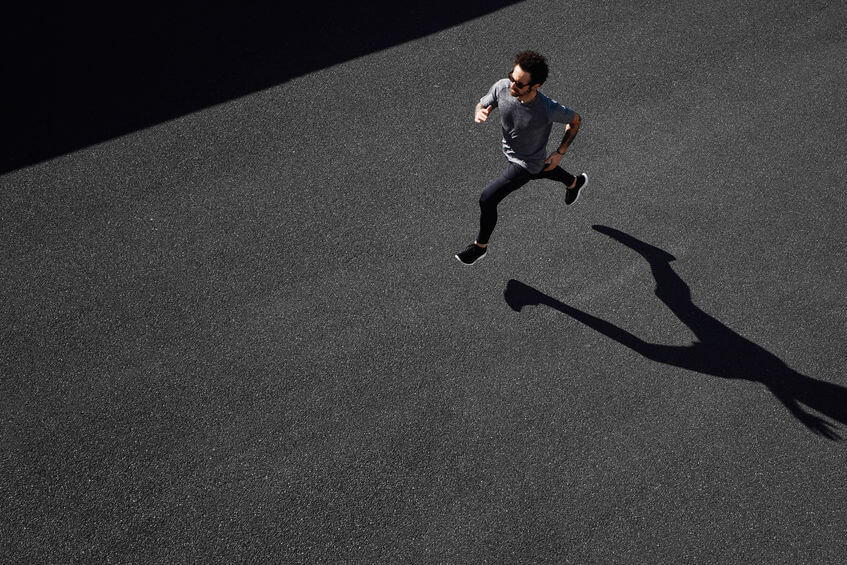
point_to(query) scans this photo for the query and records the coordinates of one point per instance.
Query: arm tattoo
(570, 133)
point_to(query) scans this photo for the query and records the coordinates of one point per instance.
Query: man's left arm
(571, 130)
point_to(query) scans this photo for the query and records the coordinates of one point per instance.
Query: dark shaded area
(81, 74)
(719, 351)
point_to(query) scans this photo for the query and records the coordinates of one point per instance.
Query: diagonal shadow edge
(719, 351)
(81, 75)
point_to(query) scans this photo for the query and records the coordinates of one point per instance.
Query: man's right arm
(490, 100)
(481, 114)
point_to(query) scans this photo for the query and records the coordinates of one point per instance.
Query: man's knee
(493, 194)
(488, 201)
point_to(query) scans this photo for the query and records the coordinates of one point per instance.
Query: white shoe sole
(578, 194)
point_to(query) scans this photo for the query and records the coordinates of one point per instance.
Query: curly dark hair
(534, 64)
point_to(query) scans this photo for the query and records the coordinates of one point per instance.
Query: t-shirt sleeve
(559, 113)
(490, 99)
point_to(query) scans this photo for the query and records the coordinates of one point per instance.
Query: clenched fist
(482, 113)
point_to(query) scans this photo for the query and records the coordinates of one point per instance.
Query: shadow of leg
(518, 295)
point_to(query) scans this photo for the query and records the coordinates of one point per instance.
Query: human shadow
(718, 351)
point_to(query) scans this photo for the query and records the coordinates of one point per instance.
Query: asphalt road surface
(240, 334)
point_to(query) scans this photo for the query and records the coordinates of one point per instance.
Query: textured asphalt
(241, 335)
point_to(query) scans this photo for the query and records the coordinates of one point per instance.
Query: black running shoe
(471, 254)
(572, 194)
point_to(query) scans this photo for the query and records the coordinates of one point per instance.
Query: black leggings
(509, 181)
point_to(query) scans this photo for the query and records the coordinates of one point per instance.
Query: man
(526, 118)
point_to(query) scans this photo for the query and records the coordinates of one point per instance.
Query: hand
(553, 161)
(482, 113)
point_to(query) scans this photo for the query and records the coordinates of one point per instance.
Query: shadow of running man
(718, 351)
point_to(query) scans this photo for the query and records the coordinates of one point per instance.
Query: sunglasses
(519, 85)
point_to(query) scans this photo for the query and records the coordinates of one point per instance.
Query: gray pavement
(241, 335)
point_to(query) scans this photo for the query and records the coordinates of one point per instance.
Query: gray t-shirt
(526, 127)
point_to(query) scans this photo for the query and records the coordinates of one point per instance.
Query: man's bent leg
(558, 174)
(573, 183)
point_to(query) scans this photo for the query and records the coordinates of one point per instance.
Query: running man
(526, 118)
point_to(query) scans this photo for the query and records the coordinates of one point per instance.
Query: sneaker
(572, 194)
(471, 254)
